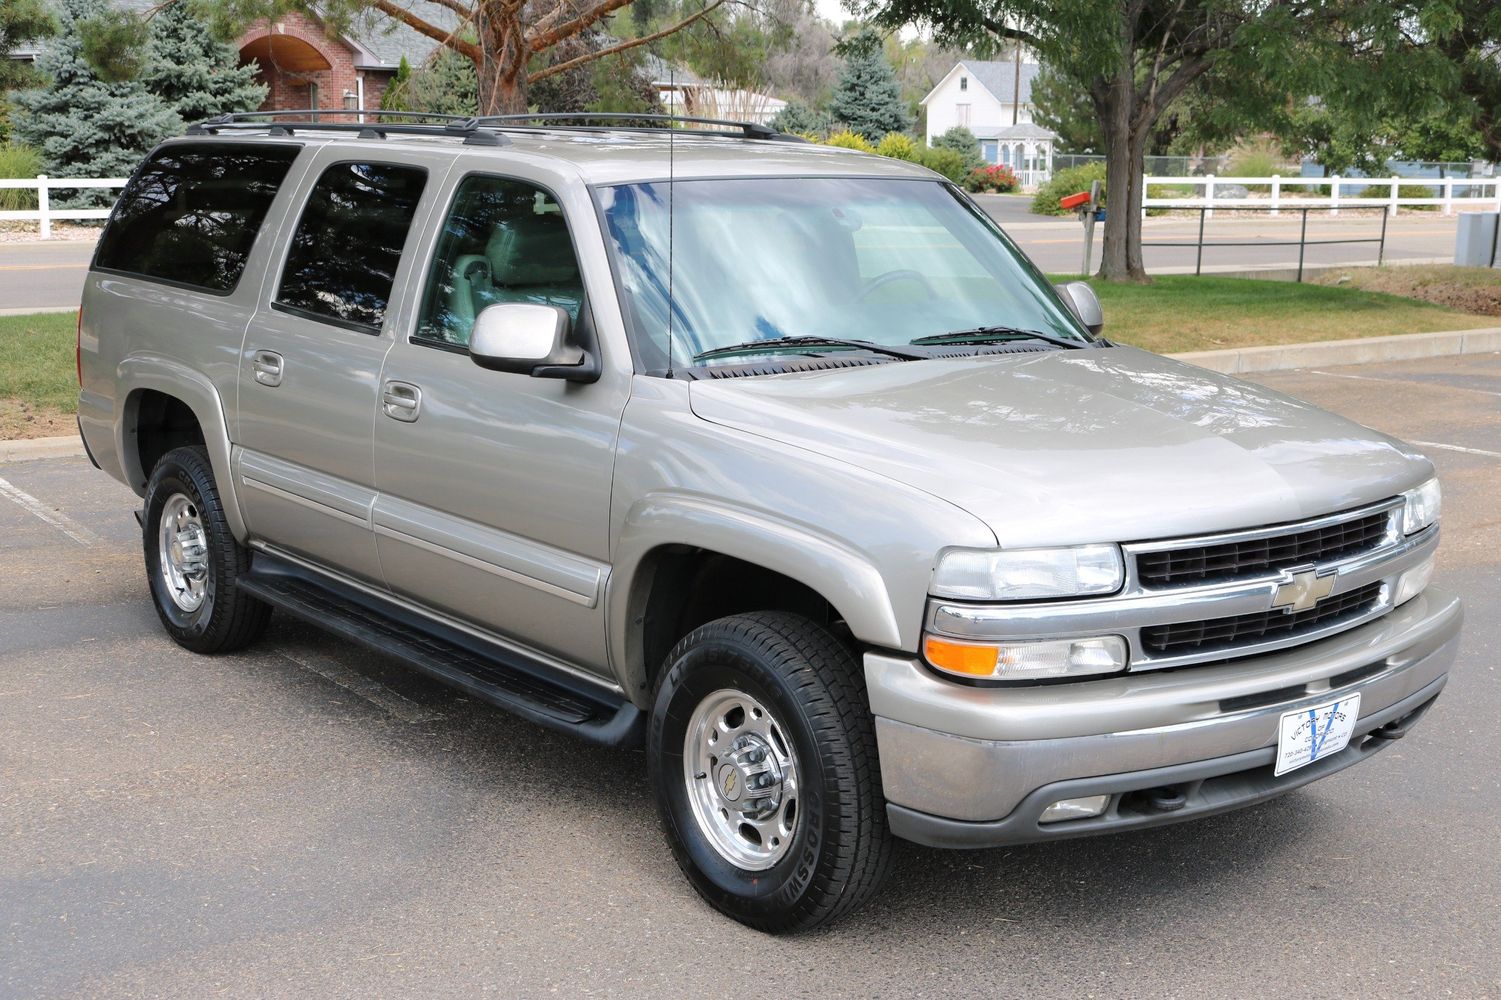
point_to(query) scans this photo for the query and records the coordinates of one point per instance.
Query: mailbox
(1074, 200)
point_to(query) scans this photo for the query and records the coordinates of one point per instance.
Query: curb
(1367, 350)
(66, 446)
(33, 310)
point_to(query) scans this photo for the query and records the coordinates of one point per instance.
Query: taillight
(78, 349)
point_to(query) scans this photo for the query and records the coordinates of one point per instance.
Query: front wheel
(193, 562)
(762, 753)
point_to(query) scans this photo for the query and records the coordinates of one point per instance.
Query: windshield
(887, 261)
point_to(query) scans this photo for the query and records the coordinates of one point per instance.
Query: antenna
(672, 84)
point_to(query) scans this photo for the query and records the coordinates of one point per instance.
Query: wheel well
(162, 422)
(691, 586)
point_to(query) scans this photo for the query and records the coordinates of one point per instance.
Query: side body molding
(843, 576)
(140, 372)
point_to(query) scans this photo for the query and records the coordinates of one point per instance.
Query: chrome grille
(1252, 556)
(1224, 634)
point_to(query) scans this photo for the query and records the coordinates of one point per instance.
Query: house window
(961, 113)
(988, 151)
(964, 83)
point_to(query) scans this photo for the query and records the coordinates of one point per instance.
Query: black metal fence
(1302, 242)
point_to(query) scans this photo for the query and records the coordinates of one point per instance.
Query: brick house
(306, 65)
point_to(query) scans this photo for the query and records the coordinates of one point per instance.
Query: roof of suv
(613, 156)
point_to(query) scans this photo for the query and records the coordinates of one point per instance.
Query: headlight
(1027, 660)
(1028, 574)
(1422, 507)
(1411, 583)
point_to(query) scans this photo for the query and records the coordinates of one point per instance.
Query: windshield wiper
(777, 343)
(995, 334)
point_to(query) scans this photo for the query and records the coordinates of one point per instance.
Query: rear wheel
(762, 752)
(193, 561)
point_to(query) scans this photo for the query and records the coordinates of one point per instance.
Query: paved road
(1057, 245)
(41, 275)
(309, 820)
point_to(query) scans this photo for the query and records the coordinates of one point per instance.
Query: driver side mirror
(1081, 300)
(525, 338)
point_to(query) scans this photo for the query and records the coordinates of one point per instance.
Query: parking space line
(1457, 447)
(56, 518)
(1404, 381)
(356, 683)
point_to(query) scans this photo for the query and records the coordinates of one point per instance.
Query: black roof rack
(476, 130)
(286, 122)
(622, 121)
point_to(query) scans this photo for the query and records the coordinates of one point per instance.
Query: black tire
(811, 682)
(227, 619)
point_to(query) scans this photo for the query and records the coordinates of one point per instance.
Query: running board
(489, 672)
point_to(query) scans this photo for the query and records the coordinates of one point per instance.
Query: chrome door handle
(401, 401)
(267, 366)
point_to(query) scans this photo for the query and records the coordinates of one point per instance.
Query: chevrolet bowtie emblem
(1302, 590)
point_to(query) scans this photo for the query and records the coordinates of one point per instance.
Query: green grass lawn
(38, 383)
(1188, 313)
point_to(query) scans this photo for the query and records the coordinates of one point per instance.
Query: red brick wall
(288, 90)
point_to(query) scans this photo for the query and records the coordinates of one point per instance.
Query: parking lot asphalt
(306, 819)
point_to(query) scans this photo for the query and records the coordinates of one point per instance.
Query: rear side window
(191, 213)
(344, 255)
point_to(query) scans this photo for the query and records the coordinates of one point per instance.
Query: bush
(962, 141)
(849, 140)
(995, 179)
(800, 119)
(1064, 183)
(16, 162)
(1253, 161)
(900, 147)
(947, 162)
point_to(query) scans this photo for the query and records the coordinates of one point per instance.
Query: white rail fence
(1327, 193)
(1308, 192)
(44, 213)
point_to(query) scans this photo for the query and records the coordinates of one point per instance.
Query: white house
(994, 101)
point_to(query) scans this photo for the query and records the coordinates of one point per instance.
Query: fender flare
(173, 378)
(841, 575)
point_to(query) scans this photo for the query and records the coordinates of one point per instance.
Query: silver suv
(779, 461)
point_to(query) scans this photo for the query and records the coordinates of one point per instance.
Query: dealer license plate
(1314, 733)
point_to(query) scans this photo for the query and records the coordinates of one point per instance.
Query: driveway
(306, 819)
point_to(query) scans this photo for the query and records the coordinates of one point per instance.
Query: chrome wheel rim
(742, 775)
(183, 549)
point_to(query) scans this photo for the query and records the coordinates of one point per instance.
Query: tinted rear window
(344, 255)
(191, 213)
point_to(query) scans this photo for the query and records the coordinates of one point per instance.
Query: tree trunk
(503, 58)
(1125, 148)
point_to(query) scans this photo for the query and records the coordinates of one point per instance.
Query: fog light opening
(1083, 807)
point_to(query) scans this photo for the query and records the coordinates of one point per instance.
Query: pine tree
(868, 98)
(195, 74)
(84, 126)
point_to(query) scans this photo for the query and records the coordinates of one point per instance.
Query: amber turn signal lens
(961, 657)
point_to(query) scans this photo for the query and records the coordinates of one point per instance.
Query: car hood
(1110, 444)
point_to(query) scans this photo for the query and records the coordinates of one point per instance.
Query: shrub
(800, 119)
(1064, 183)
(899, 147)
(849, 140)
(1253, 161)
(16, 162)
(946, 162)
(995, 179)
(962, 141)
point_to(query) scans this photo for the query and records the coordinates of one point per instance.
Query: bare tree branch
(551, 29)
(588, 57)
(446, 36)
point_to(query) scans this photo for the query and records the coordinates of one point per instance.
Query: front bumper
(971, 767)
